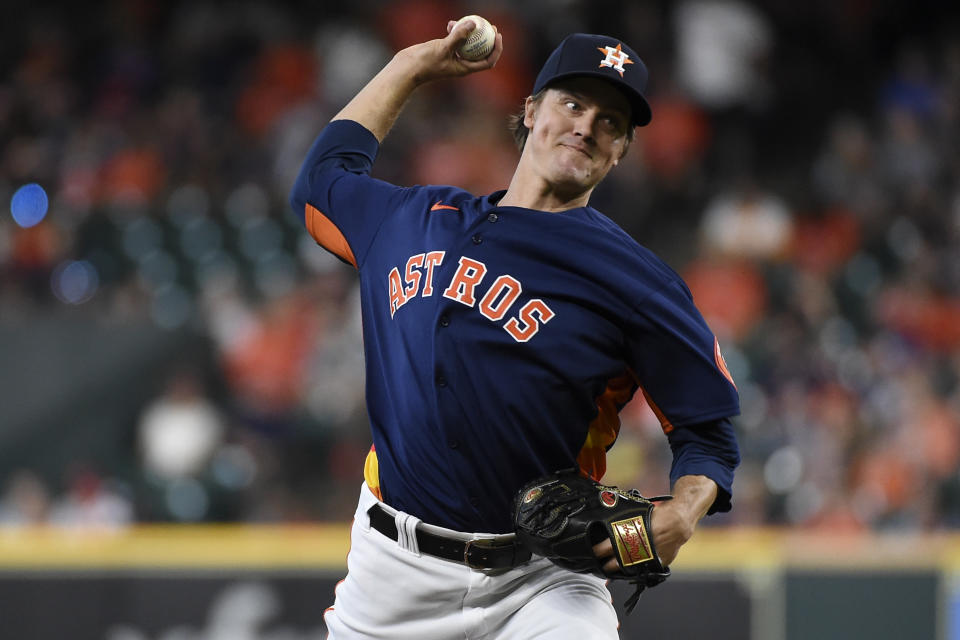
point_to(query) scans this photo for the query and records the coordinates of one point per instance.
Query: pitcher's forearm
(693, 495)
(674, 521)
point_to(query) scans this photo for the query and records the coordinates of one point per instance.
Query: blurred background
(174, 348)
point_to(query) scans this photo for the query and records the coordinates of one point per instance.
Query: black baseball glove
(562, 515)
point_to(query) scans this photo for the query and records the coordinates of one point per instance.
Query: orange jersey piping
(371, 473)
(604, 429)
(327, 234)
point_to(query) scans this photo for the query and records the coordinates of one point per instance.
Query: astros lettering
(494, 305)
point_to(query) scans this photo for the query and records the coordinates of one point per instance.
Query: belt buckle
(468, 547)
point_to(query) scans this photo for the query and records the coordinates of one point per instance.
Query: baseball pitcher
(503, 333)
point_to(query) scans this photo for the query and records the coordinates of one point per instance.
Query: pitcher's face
(578, 132)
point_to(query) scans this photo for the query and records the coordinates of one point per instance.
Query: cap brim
(638, 104)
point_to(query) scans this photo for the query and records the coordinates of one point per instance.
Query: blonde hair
(515, 121)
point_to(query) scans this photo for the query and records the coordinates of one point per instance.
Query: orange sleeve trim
(664, 422)
(327, 234)
(721, 363)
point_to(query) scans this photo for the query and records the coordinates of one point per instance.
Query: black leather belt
(476, 554)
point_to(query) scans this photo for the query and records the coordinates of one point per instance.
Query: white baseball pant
(393, 592)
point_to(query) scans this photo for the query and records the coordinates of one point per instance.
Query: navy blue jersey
(501, 342)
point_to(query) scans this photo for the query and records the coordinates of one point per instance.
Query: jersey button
(453, 444)
(441, 381)
(492, 217)
(444, 321)
(477, 239)
(475, 501)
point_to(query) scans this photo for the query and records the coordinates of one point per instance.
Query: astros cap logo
(615, 57)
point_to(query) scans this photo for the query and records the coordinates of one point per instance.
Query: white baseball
(480, 42)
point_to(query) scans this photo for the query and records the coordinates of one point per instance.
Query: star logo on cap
(615, 58)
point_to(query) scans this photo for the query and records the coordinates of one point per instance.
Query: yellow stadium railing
(325, 546)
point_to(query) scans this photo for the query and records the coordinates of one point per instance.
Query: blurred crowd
(802, 172)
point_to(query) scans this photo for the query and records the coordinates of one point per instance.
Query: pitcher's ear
(530, 107)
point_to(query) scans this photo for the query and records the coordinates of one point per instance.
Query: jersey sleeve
(341, 206)
(706, 449)
(677, 361)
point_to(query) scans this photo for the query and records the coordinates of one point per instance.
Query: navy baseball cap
(585, 54)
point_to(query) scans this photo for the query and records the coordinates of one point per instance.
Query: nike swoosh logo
(440, 206)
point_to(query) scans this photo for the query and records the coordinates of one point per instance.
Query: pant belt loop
(407, 532)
